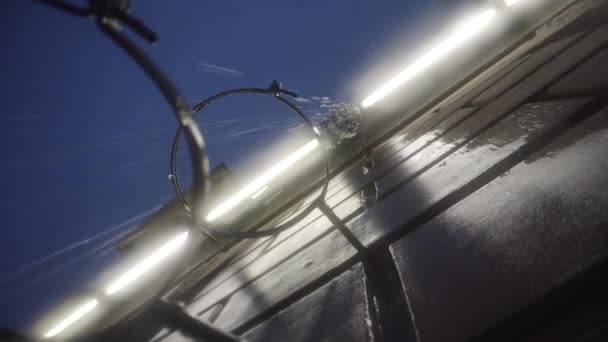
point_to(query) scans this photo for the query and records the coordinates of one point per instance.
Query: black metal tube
(183, 112)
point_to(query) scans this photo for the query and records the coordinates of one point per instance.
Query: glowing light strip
(262, 181)
(147, 264)
(73, 318)
(472, 27)
(260, 193)
(510, 3)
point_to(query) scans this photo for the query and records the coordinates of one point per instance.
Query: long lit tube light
(73, 318)
(262, 181)
(260, 193)
(510, 3)
(468, 30)
(148, 263)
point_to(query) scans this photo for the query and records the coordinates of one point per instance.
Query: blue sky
(85, 136)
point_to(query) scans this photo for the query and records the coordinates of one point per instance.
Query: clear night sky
(85, 137)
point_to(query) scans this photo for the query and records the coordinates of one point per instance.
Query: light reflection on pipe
(262, 181)
(72, 318)
(468, 30)
(148, 263)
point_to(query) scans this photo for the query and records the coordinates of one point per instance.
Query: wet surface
(492, 248)
(512, 241)
(257, 261)
(385, 166)
(265, 291)
(469, 162)
(419, 159)
(433, 122)
(336, 312)
(257, 257)
(256, 272)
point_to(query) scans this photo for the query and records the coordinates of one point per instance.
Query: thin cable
(185, 116)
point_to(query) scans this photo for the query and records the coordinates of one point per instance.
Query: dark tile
(512, 241)
(336, 312)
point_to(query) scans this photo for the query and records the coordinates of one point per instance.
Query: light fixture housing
(469, 29)
(75, 316)
(255, 188)
(147, 264)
